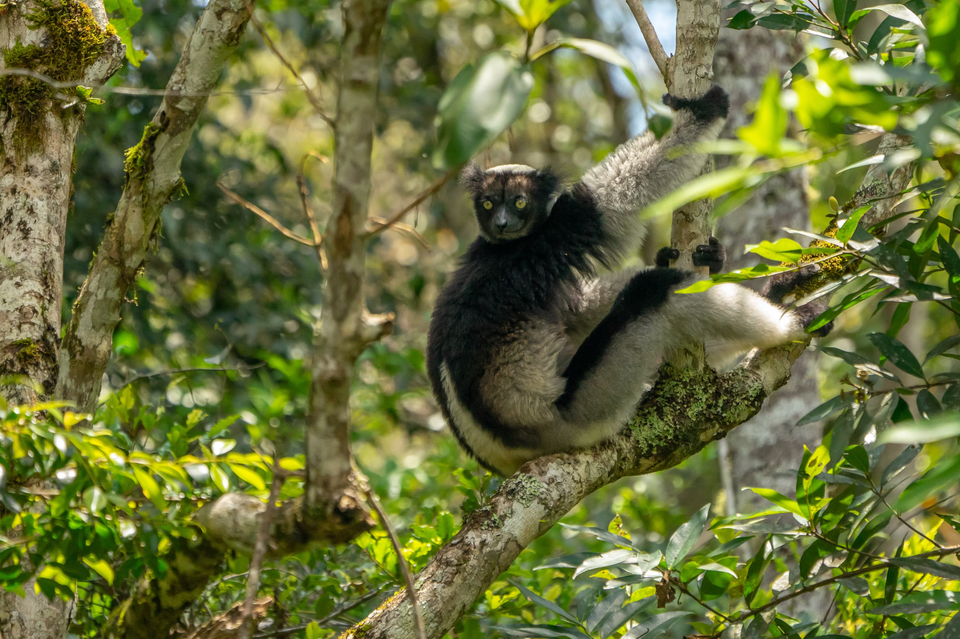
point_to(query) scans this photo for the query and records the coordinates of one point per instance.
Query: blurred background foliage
(209, 357)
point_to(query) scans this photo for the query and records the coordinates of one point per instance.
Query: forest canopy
(223, 228)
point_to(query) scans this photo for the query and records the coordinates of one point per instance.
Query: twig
(433, 188)
(901, 518)
(400, 227)
(650, 37)
(401, 562)
(684, 590)
(260, 551)
(308, 210)
(269, 219)
(174, 371)
(941, 552)
(54, 84)
(333, 615)
(314, 101)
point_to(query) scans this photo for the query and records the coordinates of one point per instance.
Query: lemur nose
(501, 224)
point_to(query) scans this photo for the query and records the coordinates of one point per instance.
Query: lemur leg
(595, 298)
(609, 371)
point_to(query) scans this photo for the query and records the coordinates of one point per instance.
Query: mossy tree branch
(153, 177)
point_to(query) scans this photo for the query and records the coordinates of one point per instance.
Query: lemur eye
(488, 205)
(521, 203)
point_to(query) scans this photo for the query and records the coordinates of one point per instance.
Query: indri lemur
(530, 352)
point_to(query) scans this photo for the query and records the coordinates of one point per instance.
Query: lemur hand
(712, 255)
(710, 106)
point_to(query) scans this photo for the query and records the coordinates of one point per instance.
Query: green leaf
(769, 123)
(610, 558)
(682, 541)
(850, 225)
(928, 567)
(897, 11)
(826, 409)
(743, 20)
(942, 475)
(850, 358)
(614, 601)
(482, 101)
(919, 602)
(943, 33)
(950, 259)
(130, 15)
(949, 343)
(755, 569)
(545, 603)
(313, 630)
(599, 50)
(900, 462)
(928, 238)
(94, 499)
(896, 352)
(914, 633)
(844, 9)
(530, 14)
(656, 625)
(248, 475)
(783, 250)
(222, 446)
(101, 567)
(150, 488)
(858, 458)
(780, 500)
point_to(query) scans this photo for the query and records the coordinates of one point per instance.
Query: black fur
(713, 104)
(780, 285)
(645, 293)
(497, 289)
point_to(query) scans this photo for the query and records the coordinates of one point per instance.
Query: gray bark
(766, 450)
(37, 142)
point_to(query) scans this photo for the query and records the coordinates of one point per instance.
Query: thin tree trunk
(38, 130)
(766, 450)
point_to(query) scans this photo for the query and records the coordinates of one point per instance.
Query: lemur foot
(711, 255)
(782, 284)
(665, 255)
(713, 104)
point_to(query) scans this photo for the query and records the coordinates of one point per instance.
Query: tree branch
(153, 177)
(346, 329)
(683, 413)
(650, 37)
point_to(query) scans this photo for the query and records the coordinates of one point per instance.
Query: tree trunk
(767, 449)
(39, 121)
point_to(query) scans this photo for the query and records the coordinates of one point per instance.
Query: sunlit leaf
(479, 104)
(682, 541)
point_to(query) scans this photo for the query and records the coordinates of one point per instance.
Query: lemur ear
(548, 185)
(471, 178)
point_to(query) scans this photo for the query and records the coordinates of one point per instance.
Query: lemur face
(510, 200)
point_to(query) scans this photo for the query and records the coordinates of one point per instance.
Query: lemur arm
(643, 169)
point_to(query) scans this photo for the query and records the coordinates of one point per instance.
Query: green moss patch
(73, 42)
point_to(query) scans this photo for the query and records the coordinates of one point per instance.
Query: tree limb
(153, 177)
(650, 37)
(346, 328)
(682, 413)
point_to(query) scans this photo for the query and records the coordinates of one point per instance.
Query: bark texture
(66, 41)
(691, 74)
(153, 177)
(682, 413)
(37, 137)
(345, 328)
(765, 449)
